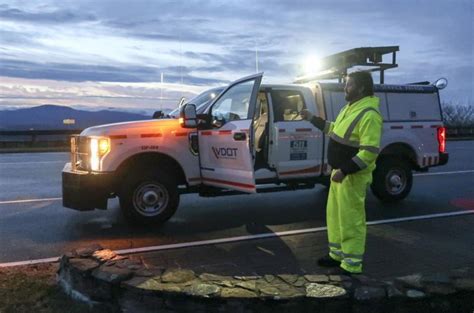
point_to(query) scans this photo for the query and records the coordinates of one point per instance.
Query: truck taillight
(442, 139)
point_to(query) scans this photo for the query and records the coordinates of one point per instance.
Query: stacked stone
(101, 277)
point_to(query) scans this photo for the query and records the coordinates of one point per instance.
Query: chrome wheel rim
(395, 181)
(150, 199)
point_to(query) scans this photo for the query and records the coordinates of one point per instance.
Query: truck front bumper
(85, 191)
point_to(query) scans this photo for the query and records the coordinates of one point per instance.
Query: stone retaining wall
(126, 284)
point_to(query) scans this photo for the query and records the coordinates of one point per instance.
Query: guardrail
(460, 132)
(36, 140)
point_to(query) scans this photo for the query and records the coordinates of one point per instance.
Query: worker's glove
(315, 120)
(306, 115)
(338, 176)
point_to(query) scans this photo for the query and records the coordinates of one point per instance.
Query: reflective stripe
(349, 143)
(352, 263)
(361, 164)
(356, 256)
(351, 127)
(326, 127)
(338, 253)
(335, 256)
(335, 245)
(370, 149)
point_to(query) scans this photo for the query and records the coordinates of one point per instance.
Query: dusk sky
(96, 54)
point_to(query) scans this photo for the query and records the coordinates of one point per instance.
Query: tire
(149, 198)
(392, 179)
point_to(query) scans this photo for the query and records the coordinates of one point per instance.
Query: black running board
(208, 191)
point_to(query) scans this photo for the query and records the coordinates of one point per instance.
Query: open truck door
(226, 148)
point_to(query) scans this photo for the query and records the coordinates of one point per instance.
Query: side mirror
(187, 116)
(158, 114)
(441, 83)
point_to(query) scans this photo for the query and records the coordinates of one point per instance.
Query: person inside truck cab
(278, 107)
(354, 142)
(260, 128)
(287, 105)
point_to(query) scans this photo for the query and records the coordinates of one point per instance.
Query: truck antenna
(256, 57)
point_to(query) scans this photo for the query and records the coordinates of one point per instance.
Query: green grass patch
(34, 289)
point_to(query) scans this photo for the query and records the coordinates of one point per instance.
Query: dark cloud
(74, 72)
(190, 37)
(184, 30)
(236, 61)
(169, 22)
(190, 21)
(80, 73)
(57, 16)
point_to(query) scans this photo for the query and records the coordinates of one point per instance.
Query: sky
(144, 55)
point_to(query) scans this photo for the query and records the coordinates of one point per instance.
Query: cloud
(131, 96)
(208, 43)
(51, 17)
(74, 72)
(15, 38)
(81, 73)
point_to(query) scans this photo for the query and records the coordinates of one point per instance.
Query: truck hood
(133, 128)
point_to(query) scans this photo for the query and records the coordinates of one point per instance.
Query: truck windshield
(201, 101)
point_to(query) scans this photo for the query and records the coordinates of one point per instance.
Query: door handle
(240, 136)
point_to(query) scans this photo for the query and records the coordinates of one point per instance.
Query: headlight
(99, 147)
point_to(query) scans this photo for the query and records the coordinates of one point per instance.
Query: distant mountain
(52, 116)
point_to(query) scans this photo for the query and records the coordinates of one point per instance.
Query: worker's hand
(306, 115)
(338, 176)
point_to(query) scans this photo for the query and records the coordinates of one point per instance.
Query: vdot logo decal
(225, 153)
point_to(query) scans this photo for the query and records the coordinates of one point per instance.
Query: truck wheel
(149, 198)
(392, 179)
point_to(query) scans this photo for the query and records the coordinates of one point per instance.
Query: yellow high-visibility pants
(346, 220)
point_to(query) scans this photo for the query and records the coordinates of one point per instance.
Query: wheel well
(401, 151)
(147, 160)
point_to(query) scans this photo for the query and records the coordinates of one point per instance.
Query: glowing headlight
(99, 148)
(104, 146)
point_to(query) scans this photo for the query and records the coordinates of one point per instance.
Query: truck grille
(80, 153)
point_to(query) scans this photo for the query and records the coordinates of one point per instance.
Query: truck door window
(234, 104)
(287, 105)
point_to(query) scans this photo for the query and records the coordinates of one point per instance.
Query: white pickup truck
(250, 138)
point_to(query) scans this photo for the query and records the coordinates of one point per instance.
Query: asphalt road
(42, 228)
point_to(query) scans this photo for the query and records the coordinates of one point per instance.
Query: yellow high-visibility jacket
(355, 136)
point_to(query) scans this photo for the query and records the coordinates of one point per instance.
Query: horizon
(147, 55)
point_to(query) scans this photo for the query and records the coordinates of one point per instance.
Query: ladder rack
(336, 65)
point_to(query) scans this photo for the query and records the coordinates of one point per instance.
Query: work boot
(327, 261)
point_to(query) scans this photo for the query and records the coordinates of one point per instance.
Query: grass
(34, 289)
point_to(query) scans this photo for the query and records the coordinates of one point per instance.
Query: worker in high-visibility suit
(352, 150)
